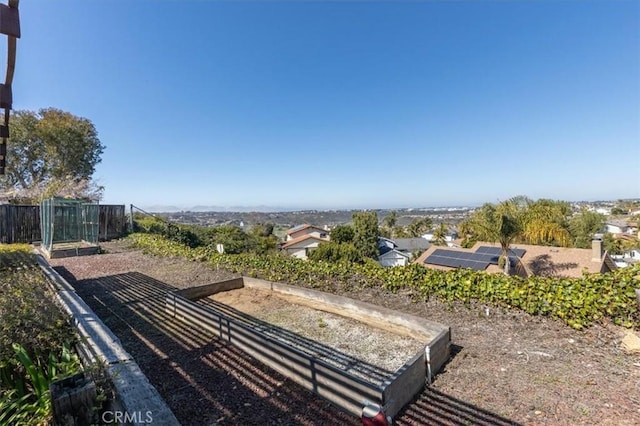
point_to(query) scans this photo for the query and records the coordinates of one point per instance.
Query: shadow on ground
(206, 381)
(434, 407)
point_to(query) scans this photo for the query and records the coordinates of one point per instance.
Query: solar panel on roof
(477, 266)
(497, 251)
(456, 259)
(489, 258)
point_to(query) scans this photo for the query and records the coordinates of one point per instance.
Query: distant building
(303, 239)
(450, 236)
(306, 229)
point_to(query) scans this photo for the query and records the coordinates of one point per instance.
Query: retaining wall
(134, 393)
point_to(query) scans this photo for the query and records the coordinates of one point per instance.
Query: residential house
(306, 229)
(525, 259)
(398, 252)
(302, 239)
(632, 255)
(449, 238)
(628, 258)
(618, 226)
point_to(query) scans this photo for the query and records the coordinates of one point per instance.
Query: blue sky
(344, 104)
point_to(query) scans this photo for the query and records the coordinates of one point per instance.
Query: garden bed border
(347, 391)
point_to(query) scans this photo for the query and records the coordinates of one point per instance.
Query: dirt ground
(507, 367)
(344, 342)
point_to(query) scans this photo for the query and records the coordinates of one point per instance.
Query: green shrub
(179, 233)
(579, 302)
(150, 225)
(28, 314)
(24, 396)
(32, 332)
(334, 252)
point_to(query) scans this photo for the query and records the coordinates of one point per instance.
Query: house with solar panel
(526, 260)
(302, 239)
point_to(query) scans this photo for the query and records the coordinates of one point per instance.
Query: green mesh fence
(66, 221)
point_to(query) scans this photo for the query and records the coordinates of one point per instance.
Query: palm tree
(440, 234)
(391, 219)
(388, 224)
(500, 223)
(419, 226)
(399, 232)
(546, 222)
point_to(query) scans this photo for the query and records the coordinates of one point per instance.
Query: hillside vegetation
(579, 302)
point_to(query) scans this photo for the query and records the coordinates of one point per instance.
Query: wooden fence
(112, 221)
(21, 224)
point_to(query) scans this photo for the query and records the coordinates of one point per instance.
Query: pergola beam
(10, 26)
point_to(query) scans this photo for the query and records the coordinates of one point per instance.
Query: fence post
(131, 218)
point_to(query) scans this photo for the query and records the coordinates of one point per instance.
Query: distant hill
(200, 209)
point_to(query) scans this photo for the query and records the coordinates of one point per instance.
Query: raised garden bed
(351, 374)
(70, 249)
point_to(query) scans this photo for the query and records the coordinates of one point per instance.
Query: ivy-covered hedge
(577, 301)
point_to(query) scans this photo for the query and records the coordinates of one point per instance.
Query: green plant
(32, 329)
(26, 394)
(579, 302)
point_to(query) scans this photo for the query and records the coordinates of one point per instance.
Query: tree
(500, 223)
(391, 219)
(469, 238)
(545, 222)
(440, 234)
(335, 252)
(583, 226)
(613, 245)
(49, 147)
(365, 230)
(233, 238)
(617, 211)
(419, 226)
(263, 238)
(399, 232)
(342, 234)
(262, 229)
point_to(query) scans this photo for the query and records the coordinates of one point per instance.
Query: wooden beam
(11, 60)
(6, 96)
(9, 21)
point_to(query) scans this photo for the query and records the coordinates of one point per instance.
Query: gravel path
(508, 367)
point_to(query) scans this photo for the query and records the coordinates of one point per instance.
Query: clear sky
(340, 104)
